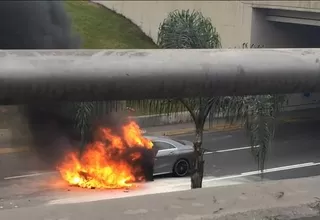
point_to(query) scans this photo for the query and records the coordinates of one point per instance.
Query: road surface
(294, 153)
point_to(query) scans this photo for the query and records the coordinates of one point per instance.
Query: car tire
(181, 168)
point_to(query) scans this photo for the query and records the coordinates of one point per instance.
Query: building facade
(273, 24)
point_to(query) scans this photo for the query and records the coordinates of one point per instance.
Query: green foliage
(185, 29)
(82, 118)
(154, 107)
(245, 46)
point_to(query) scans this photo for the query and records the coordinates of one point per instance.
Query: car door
(166, 155)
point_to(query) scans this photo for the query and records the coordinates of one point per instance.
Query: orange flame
(102, 165)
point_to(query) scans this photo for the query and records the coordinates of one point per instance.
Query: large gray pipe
(80, 75)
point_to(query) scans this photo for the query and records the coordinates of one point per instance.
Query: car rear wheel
(181, 168)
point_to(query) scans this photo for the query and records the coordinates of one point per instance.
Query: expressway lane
(295, 145)
(294, 153)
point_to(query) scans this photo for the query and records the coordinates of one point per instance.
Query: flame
(107, 164)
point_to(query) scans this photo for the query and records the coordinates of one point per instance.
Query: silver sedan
(172, 156)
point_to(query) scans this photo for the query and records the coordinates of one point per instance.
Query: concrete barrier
(163, 119)
(289, 112)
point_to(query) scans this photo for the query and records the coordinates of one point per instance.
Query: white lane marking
(251, 173)
(208, 152)
(270, 170)
(235, 149)
(28, 175)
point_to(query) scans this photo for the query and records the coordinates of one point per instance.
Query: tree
(190, 30)
(258, 115)
(186, 30)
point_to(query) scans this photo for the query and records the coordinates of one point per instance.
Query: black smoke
(36, 25)
(42, 25)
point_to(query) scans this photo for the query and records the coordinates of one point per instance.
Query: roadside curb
(9, 150)
(191, 130)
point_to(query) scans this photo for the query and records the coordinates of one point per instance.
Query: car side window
(162, 146)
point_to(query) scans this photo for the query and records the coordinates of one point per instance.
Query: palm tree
(186, 30)
(189, 30)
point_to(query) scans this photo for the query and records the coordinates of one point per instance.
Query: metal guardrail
(35, 76)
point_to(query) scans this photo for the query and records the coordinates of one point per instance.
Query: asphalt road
(296, 145)
(294, 153)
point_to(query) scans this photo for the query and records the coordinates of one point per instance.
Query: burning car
(123, 156)
(117, 159)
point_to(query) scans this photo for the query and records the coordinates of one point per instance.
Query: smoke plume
(40, 25)
(36, 25)
(43, 25)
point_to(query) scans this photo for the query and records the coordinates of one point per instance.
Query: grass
(102, 28)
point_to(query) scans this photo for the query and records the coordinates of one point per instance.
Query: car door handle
(171, 152)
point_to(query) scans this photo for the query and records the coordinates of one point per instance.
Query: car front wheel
(181, 168)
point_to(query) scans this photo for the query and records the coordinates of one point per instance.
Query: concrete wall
(163, 119)
(231, 18)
